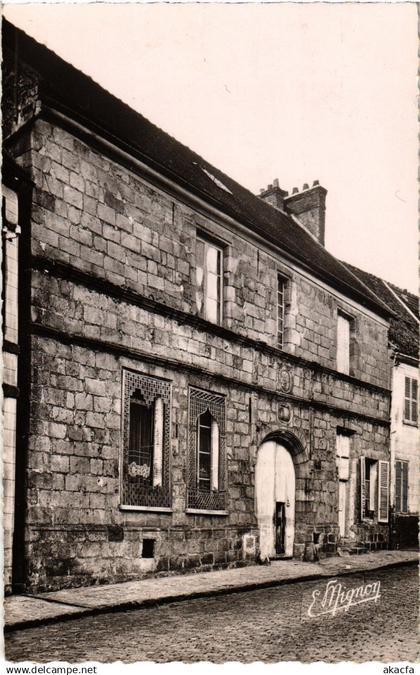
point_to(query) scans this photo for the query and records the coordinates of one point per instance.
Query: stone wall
(104, 220)
(94, 216)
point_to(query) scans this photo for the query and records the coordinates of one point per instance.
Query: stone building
(200, 382)
(405, 440)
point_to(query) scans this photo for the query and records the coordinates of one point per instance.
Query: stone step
(358, 550)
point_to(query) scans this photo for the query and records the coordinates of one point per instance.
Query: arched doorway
(275, 499)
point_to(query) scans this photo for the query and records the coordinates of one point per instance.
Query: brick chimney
(309, 208)
(274, 195)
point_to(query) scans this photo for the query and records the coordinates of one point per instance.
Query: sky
(296, 92)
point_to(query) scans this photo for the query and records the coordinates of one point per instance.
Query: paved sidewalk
(24, 611)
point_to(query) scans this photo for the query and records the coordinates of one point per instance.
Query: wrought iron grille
(137, 487)
(199, 402)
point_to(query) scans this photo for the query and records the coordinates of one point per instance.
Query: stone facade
(113, 290)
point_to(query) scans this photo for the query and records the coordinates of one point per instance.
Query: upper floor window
(411, 400)
(145, 465)
(209, 276)
(281, 292)
(343, 344)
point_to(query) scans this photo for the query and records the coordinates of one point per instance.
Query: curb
(182, 597)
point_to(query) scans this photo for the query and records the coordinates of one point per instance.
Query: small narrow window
(281, 288)
(411, 400)
(401, 486)
(148, 548)
(209, 265)
(343, 344)
(204, 451)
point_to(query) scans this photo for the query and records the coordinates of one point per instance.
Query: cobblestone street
(269, 625)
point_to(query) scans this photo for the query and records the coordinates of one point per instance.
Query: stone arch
(290, 441)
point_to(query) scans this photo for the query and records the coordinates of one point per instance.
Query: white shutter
(343, 344)
(158, 443)
(383, 492)
(214, 455)
(362, 488)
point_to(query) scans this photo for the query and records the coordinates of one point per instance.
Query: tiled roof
(67, 89)
(404, 329)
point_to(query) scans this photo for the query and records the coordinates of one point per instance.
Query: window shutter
(362, 488)
(398, 471)
(414, 393)
(383, 492)
(214, 455)
(343, 344)
(404, 487)
(158, 443)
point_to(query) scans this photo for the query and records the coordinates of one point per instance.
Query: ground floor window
(401, 486)
(145, 462)
(206, 462)
(374, 489)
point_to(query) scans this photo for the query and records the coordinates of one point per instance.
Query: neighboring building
(405, 439)
(201, 382)
(15, 192)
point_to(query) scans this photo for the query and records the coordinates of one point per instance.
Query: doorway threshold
(280, 556)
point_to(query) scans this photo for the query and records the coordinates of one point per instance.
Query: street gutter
(182, 597)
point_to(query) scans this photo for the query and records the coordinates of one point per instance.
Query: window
(343, 344)
(401, 486)
(206, 474)
(208, 452)
(209, 266)
(145, 466)
(10, 251)
(281, 291)
(374, 489)
(140, 449)
(343, 468)
(410, 400)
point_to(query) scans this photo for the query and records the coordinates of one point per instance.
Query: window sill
(206, 512)
(150, 509)
(410, 424)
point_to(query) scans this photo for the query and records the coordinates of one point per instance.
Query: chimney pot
(305, 186)
(316, 182)
(274, 195)
(295, 191)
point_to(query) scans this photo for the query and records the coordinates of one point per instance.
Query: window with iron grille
(281, 292)
(146, 441)
(410, 400)
(401, 486)
(207, 469)
(209, 280)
